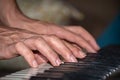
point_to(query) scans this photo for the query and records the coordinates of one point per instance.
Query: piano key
(49, 76)
(27, 73)
(97, 66)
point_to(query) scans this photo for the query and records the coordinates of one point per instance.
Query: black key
(48, 76)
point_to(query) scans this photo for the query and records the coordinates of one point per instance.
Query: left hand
(16, 42)
(74, 34)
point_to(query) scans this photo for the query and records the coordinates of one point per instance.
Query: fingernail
(82, 54)
(58, 62)
(93, 51)
(95, 45)
(35, 64)
(98, 48)
(73, 59)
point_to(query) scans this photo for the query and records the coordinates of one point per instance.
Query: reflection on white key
(27, 73)
(12, 79)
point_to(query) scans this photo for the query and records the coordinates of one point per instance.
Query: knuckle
(74, 49)
(52, 37)
(44, 36)
(38, 40)
(29, 56)
(7, 55)
(18, 44)
(78, 39)
(88, 40)
(26, 52)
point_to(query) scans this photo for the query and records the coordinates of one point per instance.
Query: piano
(100, 66)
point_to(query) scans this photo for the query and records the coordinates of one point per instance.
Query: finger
(24, 51)
(76, 51)
(60, 48)
(86, 35)
(9, 52)
(40, 58)
(72, 37)
(40, 45)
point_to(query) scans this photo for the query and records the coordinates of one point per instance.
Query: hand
(74, 34)
(78, 30)
(11, 16)
(15, 42)
(54, 39)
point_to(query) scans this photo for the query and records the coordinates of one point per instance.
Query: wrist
(12, 18)
(11, 15)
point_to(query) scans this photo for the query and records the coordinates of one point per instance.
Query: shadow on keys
(105, 65)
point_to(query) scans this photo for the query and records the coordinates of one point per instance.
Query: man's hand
(11, 16)
(52, 38)
(36, 49)
(73, 34)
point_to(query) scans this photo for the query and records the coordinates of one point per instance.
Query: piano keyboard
(94, 67)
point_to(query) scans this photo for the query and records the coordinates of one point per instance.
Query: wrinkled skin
(23, 36)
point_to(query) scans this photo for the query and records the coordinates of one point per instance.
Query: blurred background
(93, 15)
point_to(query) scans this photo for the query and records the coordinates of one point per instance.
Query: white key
(27, 73)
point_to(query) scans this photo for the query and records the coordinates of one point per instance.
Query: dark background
(98, 14)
